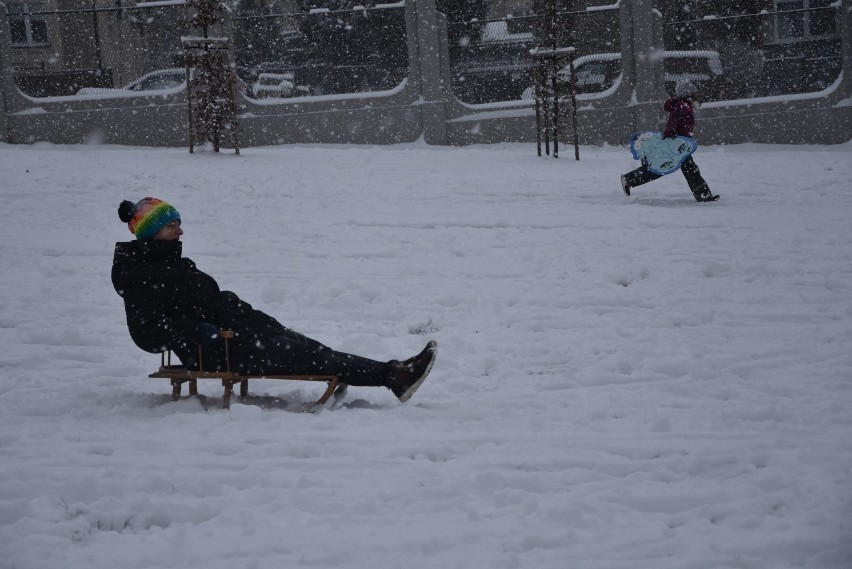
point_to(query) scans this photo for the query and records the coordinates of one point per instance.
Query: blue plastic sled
(661, 155)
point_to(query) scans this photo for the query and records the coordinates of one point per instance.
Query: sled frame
(179, 374)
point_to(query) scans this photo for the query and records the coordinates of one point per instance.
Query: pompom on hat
(147, 216)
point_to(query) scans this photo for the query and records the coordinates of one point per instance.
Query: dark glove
(207, 333)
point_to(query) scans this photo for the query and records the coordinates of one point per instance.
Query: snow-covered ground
(622, 383)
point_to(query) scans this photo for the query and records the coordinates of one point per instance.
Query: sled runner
(179, 375)
(659, 154)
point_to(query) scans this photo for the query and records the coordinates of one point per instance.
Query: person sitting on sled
(681, 123)
(172, 305)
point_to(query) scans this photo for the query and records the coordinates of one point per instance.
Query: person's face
(169, 232)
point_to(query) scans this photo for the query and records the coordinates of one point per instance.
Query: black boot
(407, 376)
(625, 186)
(703, 194)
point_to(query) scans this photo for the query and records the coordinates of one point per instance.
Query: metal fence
(138, 48)
(59, 52)
(355, 49)
(491, 59)
(320, 51)
(727, 55)
(786, 51)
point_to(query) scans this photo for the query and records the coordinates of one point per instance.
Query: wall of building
(424, 106)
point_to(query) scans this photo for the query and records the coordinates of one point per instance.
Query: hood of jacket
(133, 258)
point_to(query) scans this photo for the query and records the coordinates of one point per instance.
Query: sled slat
(179, 375)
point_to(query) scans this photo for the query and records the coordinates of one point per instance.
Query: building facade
(452, 72)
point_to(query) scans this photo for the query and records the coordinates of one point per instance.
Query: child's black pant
(689, 168)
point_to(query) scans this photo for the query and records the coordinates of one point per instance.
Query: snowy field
(622, 383)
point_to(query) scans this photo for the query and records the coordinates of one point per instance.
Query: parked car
(276, 85)
(597, 72)
(153, 81)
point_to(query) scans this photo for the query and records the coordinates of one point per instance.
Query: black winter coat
(167, 298)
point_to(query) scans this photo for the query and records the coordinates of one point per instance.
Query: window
(27, 24)
(804, 19)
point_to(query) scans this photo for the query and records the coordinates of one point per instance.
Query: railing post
(431, 44)
(846, 47)
(5, 70)
(641, 47)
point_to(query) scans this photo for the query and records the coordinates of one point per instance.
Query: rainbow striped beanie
(147, 216)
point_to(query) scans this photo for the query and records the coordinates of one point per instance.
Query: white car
(153, 81)
(277, 85)
(598, 72)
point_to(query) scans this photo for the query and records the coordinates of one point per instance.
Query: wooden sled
(179, 375)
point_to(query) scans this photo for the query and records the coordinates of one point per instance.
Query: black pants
(295, 353)
(264, 346)
(689, 168)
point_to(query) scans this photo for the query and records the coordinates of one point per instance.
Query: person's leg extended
(637, 177)
(294, 353)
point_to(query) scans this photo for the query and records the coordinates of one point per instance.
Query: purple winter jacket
(681, 118)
